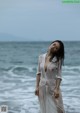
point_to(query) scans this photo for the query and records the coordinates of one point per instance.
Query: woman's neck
(49, 55)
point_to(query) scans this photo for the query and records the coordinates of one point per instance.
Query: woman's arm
(37, 85)
(58, 79)
(38, 74)
(58, 82)
(59, 76)
(37, 80)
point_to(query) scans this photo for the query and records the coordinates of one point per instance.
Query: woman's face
(54, 47)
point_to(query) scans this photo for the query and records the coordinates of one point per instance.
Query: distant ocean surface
(18, 66)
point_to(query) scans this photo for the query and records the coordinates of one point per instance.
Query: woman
(49, 77)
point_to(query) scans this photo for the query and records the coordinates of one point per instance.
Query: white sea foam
(71, 67)
(20, 70)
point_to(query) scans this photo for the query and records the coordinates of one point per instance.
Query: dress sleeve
(59, 71)
(38, 67)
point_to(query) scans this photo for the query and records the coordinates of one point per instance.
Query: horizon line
(39, 40)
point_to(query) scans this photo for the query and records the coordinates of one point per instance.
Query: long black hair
(60, 53)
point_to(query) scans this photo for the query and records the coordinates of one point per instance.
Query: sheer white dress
(48, 103)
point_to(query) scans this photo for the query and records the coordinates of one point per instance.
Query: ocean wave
(25, 70)
(19, 70)
(71, 67)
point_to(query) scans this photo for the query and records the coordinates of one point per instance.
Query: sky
(39, 20)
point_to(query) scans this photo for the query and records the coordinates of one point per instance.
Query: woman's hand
(56, 93)
(37, 91)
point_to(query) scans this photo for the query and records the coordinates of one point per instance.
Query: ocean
(18, 66)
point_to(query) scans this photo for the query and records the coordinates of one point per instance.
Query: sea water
(18, 67)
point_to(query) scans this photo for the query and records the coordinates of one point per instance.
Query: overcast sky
(40, 20)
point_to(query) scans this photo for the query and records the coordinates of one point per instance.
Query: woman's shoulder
(42, 55)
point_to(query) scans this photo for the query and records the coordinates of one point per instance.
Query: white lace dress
(48, 103)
